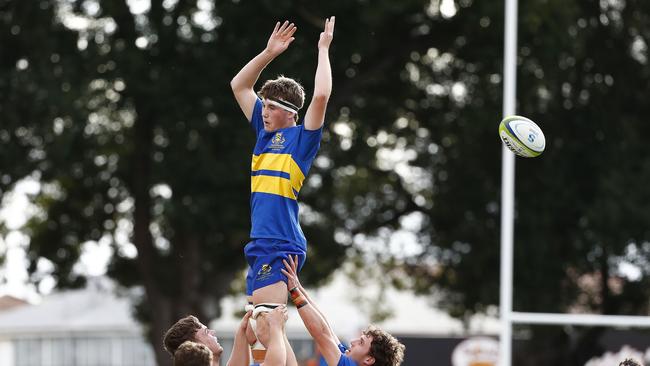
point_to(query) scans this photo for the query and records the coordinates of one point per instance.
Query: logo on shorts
(264, 272)
(277, 142)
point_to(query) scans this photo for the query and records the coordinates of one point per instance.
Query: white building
(89, 327)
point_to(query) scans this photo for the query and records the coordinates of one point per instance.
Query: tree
(140, 135)
(582, 209)
(126, 119)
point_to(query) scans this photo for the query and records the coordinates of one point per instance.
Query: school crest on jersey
(277, 142)
(264, 272)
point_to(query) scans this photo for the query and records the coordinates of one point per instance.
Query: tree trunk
(158, 307)
(161, 320)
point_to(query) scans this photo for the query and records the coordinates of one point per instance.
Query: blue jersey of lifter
(345, 360)
(281, 161)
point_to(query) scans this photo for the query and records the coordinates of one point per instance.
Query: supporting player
(271, 334)
(193, 354)
(374, 347)
(191, 329)
(282, 157)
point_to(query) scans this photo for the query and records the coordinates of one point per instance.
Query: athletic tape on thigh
(258, 350)
(264, 307)
(259, 309)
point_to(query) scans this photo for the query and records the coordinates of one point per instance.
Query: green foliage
(594, 204)
(130, 126)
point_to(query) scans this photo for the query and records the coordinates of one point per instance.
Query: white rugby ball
(522, 136)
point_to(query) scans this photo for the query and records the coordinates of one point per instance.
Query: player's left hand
(281, 37)
(327, 34)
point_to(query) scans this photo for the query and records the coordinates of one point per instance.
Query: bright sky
(14, 212)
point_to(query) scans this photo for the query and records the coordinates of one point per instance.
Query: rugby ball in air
(522, 136)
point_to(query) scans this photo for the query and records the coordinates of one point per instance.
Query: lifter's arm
(240, 355)
(314, 321)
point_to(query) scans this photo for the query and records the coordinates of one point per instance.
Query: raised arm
(276, 353)
(243, 83)
(294, 281)
(240, 355)
(291, 355)
(314, 321)
(315, 115)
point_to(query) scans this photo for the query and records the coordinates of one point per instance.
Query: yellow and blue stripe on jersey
(276, 174)
(280, 163)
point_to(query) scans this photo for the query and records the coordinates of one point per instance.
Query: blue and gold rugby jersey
(281, 161)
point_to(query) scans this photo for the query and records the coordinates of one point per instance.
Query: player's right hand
(281, 37)
(244, 321)
(278, 316)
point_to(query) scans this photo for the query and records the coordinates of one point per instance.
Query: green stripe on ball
(512, 142)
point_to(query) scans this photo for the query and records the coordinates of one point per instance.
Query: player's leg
(253, 251)
(265, 257)
(271, 294)
(258, 349)
(267, 284)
